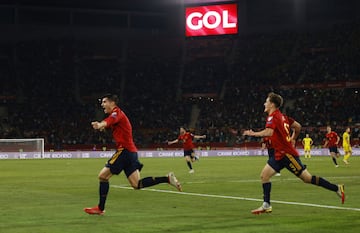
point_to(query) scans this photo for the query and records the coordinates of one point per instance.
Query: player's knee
(137, 185)
(306, 180)
(103, 178)
(264, 178)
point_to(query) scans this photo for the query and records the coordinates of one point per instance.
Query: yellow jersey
(346, 139)
(307, 142)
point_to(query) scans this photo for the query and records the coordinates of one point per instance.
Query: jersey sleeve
(113, 118)
(270, 122)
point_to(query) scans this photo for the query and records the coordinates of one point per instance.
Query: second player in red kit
(187, 139)
(331, 141)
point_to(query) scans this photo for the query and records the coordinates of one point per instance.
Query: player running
(347, 145)
(295, 126)
(125, 158)
(286, 156)
(188, 145)
(307, 143)
(332, 141)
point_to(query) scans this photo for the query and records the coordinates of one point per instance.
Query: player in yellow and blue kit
(307, 143)
(347, 145)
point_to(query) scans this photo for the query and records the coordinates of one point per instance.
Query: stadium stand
(50, 87)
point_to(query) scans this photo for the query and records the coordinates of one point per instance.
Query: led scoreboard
(211, 20)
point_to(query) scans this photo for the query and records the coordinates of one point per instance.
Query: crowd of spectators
(313, 108)
(50, 87)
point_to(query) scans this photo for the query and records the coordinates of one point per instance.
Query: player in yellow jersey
(307, 143)
(347, 145)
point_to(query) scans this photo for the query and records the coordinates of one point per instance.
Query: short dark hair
(184, 128)
(276, 99)
(111, 97)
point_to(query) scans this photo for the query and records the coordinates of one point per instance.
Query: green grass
(49, 196)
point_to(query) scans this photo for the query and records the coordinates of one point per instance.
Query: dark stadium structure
(57, 58)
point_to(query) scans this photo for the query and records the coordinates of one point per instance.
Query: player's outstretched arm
(173, 142)
(199, 136)
(267, 132)
(99, 125)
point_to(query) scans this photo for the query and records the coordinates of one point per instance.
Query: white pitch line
(239, 198)
(274, 179)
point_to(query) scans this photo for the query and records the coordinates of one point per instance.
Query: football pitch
(49, 196)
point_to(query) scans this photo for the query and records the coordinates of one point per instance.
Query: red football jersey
(280, 140)
(121, 129)
(332, 138)
(187, 138)
(267, 142)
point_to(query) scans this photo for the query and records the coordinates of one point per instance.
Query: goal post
(21, 148)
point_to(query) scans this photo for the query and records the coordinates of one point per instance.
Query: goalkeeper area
(48, 195)
(22, 148)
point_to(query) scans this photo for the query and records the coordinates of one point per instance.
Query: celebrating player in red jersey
(188, 145)
(125, 158)
(286, 156)
(295, 126)
(332, 141)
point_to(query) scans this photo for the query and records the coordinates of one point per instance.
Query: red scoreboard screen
(211, 20)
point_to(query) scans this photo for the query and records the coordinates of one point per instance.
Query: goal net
(21, 148)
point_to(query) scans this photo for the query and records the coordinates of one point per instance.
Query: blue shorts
(271, 152)
(189, 153)
(290, 162)
(124, 160)
(334, 150)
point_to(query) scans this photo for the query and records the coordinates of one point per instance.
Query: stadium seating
(50, 87)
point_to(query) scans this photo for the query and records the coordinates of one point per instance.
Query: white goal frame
(39, 149)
